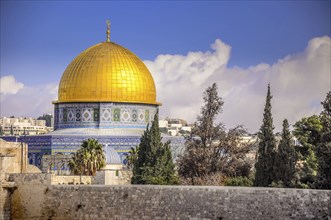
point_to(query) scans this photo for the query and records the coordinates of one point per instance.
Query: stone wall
(47, 179)
(5, 205)
(35, 198)
(29, 178)
(13, 158)
(27, 199)
(183, 202)
(71, 180)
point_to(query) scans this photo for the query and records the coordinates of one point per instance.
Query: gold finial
(108, 30)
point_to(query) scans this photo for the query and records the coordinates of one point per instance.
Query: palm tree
(132, 157)
(88, 159)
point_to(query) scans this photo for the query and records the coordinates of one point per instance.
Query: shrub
(238, 181)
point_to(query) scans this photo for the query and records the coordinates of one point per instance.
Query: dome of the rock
(107, 72)
(106, 93)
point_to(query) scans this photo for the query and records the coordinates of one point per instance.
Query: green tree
(210, 152)
(238, 181)
(308, 132)
(265, 173)
(89, 159)
(1, 131)
(11, 130)
(323, 152)
(132, 157)
(153, 163)
(286, 158)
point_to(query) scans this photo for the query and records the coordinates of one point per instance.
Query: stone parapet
(29, 178)
(184, 202)
(39, 201)
(47, 179)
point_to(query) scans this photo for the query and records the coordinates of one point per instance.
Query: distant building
(175, 126)
(48, 118)
(23, 126)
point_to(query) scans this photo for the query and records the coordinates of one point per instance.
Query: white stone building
(23, 126)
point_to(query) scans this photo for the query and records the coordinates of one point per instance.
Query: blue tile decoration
(64, 115)
(109, 123)
(78, 118)
(95, 114)
(79, 115)
(134, 115)
(116, 114)
(146, 116)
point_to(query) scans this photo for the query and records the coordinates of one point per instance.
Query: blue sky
(38, 35)
(40, 38)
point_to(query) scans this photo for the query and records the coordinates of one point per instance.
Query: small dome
(107, 72)
(112, 157)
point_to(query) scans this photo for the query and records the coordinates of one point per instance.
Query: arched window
(30, 159)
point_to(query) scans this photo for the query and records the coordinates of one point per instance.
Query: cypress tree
(323, 152)
(264, 166)
(1, 131)
(11, 130)
(153, 164)
(286, 158)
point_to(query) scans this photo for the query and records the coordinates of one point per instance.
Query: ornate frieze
(103, 115)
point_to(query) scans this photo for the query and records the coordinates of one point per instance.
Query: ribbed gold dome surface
(107, 72)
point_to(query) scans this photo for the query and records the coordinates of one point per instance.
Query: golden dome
(107, 72)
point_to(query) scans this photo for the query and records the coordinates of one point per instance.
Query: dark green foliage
(286, 159)
(323, 152)
(132, 157)
(1, 131)
(278, 184)
(210, 152)
(11, 130)
(265, 173)
(89, 159)
(152, 160)
(308, 132)
(239, 181)
(308, 170)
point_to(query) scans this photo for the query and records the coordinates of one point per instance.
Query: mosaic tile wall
(38, 146)
(102, 115)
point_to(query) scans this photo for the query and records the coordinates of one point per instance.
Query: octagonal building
(106, 93)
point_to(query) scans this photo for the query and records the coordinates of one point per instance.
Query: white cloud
(29, 101)
(298, 83)
(9, 85)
